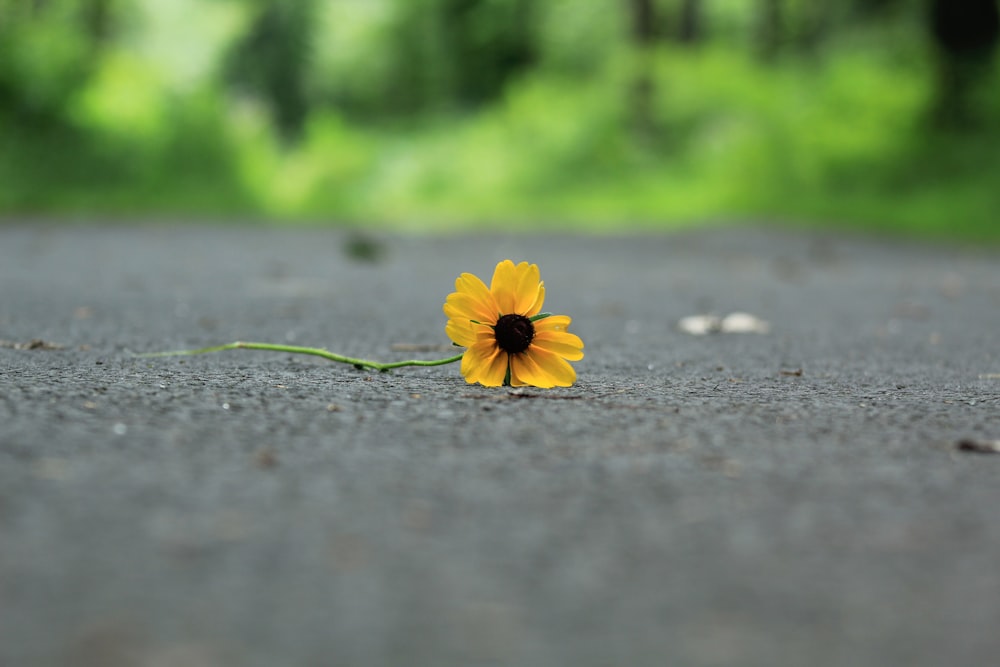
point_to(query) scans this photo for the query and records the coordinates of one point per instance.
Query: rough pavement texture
(790, 498)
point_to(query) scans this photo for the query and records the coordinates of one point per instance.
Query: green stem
(315, 351)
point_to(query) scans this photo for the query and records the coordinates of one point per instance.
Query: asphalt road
(791, 498)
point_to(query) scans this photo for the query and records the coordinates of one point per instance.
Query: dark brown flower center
(514, 333)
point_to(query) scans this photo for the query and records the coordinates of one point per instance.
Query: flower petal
(503, 286)
(485, 363)
(551, 335)
(527, 288)
(477, 357)
(525, 372)
(475, 299)
(552, 323)
(496, 372)
(462, 306)
(566, 345)
(536, 307)
(461, 332)
(547, 368)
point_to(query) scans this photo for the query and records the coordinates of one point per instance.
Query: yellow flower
(508, 339)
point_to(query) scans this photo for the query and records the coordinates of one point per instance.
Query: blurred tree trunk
(770, 28)
(643, 14)
(689, 22)
(488, 43)
(271, 59)
(816, 26)
(642, 88)
(448, 54)
(877, 7)
(97, 17)
(966, 34)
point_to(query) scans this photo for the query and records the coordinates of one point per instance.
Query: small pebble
(978, 446)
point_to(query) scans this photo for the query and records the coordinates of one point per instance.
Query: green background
(511, 114)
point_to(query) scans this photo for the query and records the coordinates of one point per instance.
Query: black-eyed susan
(508, 339)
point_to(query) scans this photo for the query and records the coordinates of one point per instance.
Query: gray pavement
(789, 498)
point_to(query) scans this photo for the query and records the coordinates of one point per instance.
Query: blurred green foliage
(601, 114)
